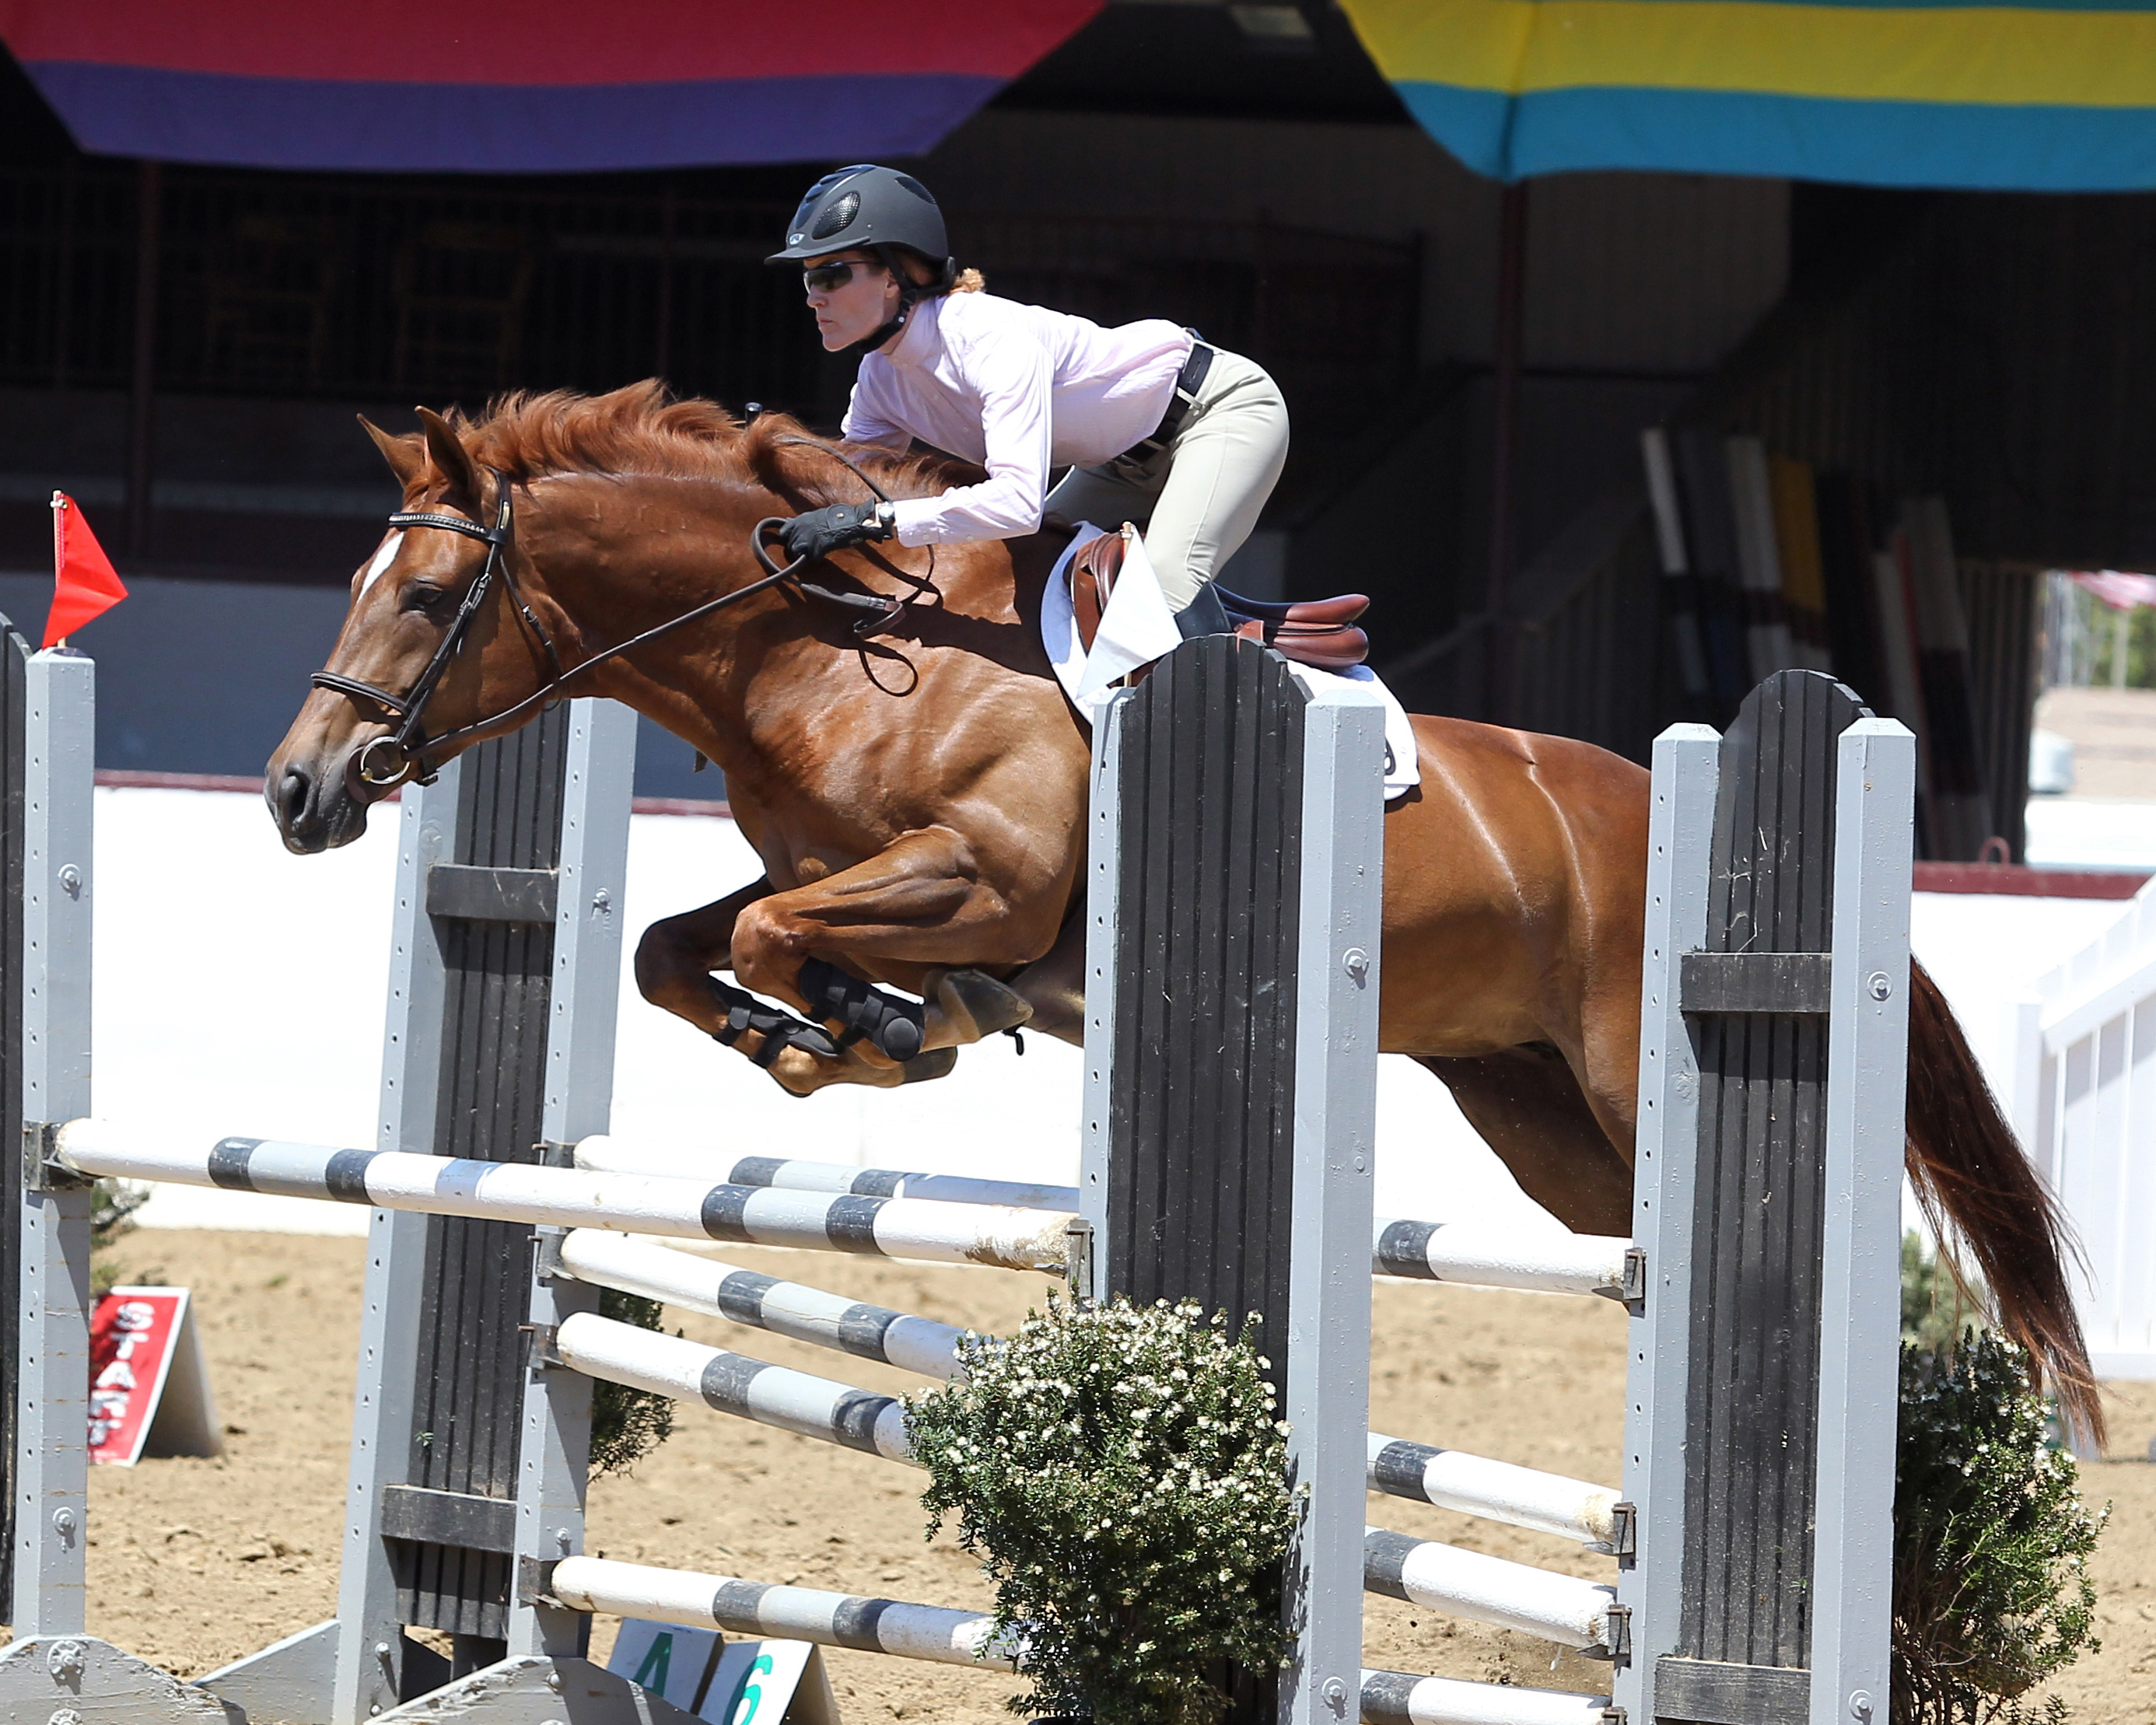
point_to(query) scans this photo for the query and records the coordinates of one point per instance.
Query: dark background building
(183, 348)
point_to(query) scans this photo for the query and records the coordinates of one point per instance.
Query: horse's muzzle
(314, 810)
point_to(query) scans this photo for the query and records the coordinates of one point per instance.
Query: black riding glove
(822, 531)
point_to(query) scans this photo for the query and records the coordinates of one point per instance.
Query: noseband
(400, 753)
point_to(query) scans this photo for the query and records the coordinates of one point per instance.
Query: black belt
(1188, 383)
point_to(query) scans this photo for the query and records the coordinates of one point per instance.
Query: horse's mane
(640, 429)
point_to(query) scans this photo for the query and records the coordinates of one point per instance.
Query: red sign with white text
(132, 1335)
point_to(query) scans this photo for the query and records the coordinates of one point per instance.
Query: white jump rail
(1560, 1607)
(1563, 1609)
(606, 1153)
(734, 1383)
(1396, 1699)
(1451, 1479)
(761, 1303)
(1541, 1260)
(1495, 1490)
(1537, 1259)
(942, 1636)
(633, 1203)
(935, 1633)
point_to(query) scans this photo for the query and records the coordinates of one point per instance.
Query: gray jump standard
(464, 1507)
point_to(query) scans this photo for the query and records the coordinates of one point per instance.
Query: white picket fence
(2083, 1098)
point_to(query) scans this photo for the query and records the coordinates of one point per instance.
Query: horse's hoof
(967, 1005)
(937, 1063)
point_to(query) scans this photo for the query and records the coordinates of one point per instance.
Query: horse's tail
(1978, 1190)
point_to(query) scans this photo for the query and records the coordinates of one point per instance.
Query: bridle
(402, 751)
(407, 743)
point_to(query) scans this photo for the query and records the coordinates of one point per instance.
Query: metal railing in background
(315, 285)
(1581, 651)
(309, 286)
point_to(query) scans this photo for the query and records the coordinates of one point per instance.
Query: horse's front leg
(675, 962)
(921, 902)
(677, 955)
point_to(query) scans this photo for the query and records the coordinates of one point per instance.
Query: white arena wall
(239, 991)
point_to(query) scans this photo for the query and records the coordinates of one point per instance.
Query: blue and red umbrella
(523, 85)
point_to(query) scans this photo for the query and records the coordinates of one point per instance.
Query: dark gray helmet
(863, 207)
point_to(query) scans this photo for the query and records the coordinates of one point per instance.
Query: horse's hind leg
(1529, 1108)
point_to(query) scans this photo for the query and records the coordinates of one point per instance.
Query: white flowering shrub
(1121, 1474)
(1992, 1592)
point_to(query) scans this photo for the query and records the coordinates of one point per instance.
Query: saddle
(1320, 633)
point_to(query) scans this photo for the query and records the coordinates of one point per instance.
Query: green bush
(627, 1425)
(112, 1207)
(1121, 1474)
(1936, 1304)
(1992, 1592)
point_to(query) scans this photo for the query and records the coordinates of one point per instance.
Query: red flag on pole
(84, 584)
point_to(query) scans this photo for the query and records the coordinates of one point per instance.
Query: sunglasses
(830, 278)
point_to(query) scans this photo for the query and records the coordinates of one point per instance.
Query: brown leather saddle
(1320, 633)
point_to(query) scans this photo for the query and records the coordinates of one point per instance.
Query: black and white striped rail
(943, 1636)
(800, 1614)
(1495, 1491)
(1563, 1609)
(1396, 1698)
(762, 1303)
(1540, 1259)
(611, 1155)
(1559, 1608)
(1475, 1254)
(734, 1383)
(1451, 1479)
(922, 1228)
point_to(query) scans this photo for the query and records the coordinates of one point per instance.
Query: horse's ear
(451, 460)
(406, 458)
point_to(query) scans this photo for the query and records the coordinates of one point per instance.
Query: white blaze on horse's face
(385, 554)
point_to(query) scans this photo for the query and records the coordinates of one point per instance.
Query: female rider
(1155, 426)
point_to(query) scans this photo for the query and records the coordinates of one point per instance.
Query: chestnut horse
(916, 789)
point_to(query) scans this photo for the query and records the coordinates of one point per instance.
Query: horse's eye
(424, 596)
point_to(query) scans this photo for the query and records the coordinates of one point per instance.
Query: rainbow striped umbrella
(523, 85)
(2029, 97)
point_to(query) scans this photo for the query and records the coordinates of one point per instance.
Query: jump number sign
(752, 1695)
(765, 1682)
(725, 1683)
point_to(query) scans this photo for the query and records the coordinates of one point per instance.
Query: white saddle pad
(1137, 627)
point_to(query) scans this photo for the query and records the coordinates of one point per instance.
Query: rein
(403, 750)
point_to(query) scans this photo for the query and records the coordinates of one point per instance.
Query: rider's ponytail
(923, 277)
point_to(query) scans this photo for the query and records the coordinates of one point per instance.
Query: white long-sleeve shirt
(1019, 389)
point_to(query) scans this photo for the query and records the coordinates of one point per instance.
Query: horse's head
(439, 640)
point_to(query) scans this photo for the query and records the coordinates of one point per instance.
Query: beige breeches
(1199, 498)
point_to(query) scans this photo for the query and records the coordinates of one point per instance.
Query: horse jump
(1298, 1115)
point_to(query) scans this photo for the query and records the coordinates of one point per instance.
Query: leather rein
(401, 753)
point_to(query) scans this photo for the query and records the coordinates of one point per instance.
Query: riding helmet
(865, 207)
